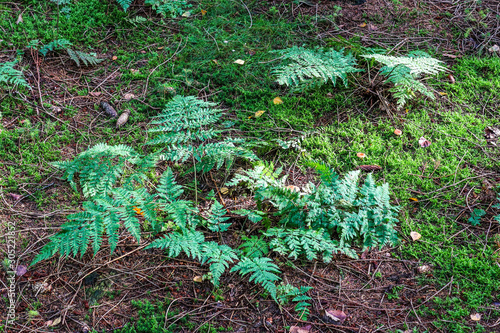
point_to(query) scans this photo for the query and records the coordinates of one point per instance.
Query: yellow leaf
(224, 190)
(259, 113)
(239, 62)
(198, 279)
(442, 93)
(215, 61)
(414, 199)
(362, 25)
(277, 101)
(415, 235)
(203, 12)
(186, 14)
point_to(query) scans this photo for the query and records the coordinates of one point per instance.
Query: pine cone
(108, 109)
(122, 120)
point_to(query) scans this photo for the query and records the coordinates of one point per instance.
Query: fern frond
(86, 58)
(219, 257)
(124, 4)
(262, 271)
(216, 219)
(12, 77)
(188, 241)
(314, 67)
(254, 247)
(418, 63)
(58, 44)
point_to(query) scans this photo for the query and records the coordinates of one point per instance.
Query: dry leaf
(415, 235)
(297, 329)
(95, 93)
(128, 96)
(186, 14)
(161, 47)
(54, 322)
(215, 61)
(198, 279)
(423, 142)
(203, 12)
(442, 93)
(372, 27)
(398, 131)
(414, 199)
(239, 62)
(277, 100)
(451, 78)
(114, 58)
(15, 196)
(362, 25)
(19, 19)
(134, 71)
(259, 113)
(335, 315)
(224, 190)
(293, 188)
(361, 155)
(369, 168)
(475, 316)
(494, 48)
(424, 269)
(21, 270)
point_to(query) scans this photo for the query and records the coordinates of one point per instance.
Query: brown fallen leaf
(198, 279)
(114, 58)
(362, 25)
(398, 132)
(15, 196)
(372, 27)
(415, 235)
(297, 329)
(369, 168)
(451, 78)
(95, 93)
(19, 19)
(335, 316)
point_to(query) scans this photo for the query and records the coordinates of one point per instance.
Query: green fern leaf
(261, 270)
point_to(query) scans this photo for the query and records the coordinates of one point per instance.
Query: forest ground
(437, 188)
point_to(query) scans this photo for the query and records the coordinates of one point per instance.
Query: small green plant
(11, 77)
(288, 292)
(403, 73)
(355, 214)
(78, 57)
(169, 8)
(313, 68)
(186, 131)
(475, 218)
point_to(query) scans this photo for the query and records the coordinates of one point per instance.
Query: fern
(219, 257)
(216, 219)
(125, 4)
(262, 271)
(312, 68)
(184, 136)
(98, 168)
(11, 77)
(287, 292)
(188, 241)
(104, 215)
(254, 247)
(309, 243)
(58, 44)
(403, 73)
(338, 206)
(168, 8)
(86, 58)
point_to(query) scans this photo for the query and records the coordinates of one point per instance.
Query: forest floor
(447, 281)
